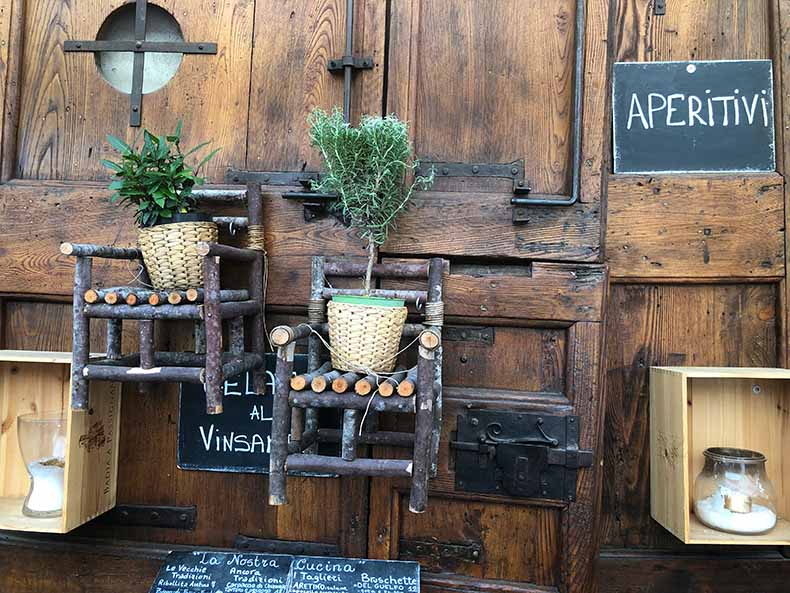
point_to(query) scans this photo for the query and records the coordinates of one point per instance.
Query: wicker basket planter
(365, 337)
(169, 252)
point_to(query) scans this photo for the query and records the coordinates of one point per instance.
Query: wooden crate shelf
(693, 408)
(41, 381)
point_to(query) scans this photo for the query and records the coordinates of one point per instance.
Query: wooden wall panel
(723, 226)
(499, 121)
(67, 109)
(294, 42)
(495, 527)
(650, 325)
(500, 109)
(692, 30)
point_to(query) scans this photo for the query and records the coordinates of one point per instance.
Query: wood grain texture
(292, 47)
(484, 221)
(716, 30)
(500, 110)
(693, 325)
(695, 571)
(66, 109)
(719, 226)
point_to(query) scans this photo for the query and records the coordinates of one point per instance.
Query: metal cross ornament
(139, 46)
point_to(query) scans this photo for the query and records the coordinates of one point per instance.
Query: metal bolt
(125, 514)
(138, 44)
(200, 47)
(544, 492)
(572, 420)
(464, 359)
(79, 45)
(474, 422)
(266, 179)
(236, 178)
(521, 184)
(476, 554)
(445, 170)
(514, 171)
(183, 517)
(756, 389)
(135, 109)
(540, 420)
(154, 516)
(475, 169)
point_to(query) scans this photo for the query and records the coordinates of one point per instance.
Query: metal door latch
(519, 454)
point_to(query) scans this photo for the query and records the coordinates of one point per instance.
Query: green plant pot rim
(184, 217)
(367, 300)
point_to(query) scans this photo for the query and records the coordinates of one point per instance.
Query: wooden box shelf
(41, 381)
(693, 408)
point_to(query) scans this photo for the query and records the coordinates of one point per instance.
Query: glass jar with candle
(733, 493)
(42, 441)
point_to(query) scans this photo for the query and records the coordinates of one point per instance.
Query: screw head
(78, 46)
(514, 170)
(135, 109)
(474, 422)
(445, 170)
(200, 47)
(138, 44)
(475, 169)
(464, 358)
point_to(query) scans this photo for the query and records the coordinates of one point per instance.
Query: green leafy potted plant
(156, 180)
(366, 166)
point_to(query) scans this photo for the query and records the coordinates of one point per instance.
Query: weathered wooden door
(479, 84)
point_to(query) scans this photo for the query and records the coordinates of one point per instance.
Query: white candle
(46, 495)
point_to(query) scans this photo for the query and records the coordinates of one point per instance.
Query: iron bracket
(455, 333)
(314, 203)
(142, 515)
(441, 553)
(343, 62)
(519, 454)
(279, 546)
(514, 171)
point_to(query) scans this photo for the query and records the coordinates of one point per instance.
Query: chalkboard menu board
(693, 117)
(219, 572)
(237, 440)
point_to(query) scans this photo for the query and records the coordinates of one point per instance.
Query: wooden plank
(669, 451)
(581, 519)
(684, 32)
(669, 325)
(536, 560)
(694, 570)
(11, 24)
(484, 221)
(549, 291)
(293, 49)
(696, 227)
(510, 102)
(67, 109)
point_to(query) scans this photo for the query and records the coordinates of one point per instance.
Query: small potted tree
(158, 183)
(366, 166)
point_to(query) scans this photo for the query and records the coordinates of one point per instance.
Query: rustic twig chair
(295, 423)
(207, 306)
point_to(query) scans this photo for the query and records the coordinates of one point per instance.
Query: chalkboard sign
(219, 572)
(693, 117)
(237, 440)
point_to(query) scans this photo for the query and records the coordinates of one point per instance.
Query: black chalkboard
(220, 572)
(693, 117)
(236, 440)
